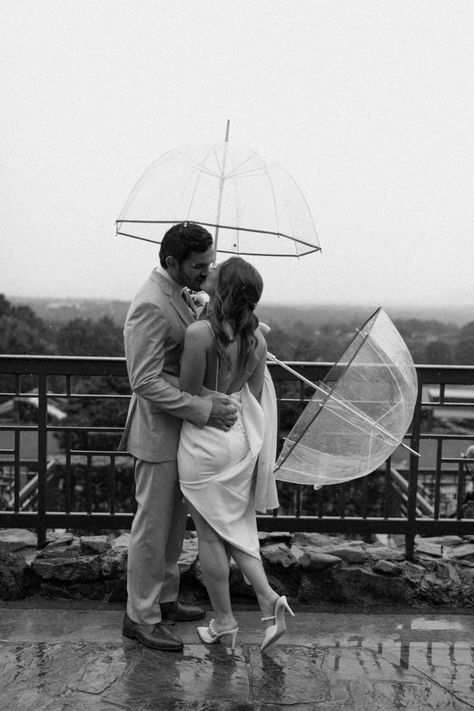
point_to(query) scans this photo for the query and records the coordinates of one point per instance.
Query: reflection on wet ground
(62, 660)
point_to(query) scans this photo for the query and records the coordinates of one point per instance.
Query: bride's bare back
(200, 365)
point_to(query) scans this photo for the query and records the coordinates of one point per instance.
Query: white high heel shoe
(209, 635)
(275, 631)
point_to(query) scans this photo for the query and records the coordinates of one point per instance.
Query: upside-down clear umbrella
(358, 415)
(252, 207)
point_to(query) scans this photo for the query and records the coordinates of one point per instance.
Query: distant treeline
(60, 310)
(302, 333)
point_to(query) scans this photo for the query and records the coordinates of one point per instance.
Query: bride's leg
(215, 569)
(253, 570)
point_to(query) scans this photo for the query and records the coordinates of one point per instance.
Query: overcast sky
(369, 105)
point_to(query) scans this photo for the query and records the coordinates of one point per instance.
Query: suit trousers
(156, 540)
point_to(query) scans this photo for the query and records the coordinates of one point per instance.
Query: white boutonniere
(200, 301)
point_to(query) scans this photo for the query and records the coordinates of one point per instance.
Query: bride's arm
(193, 362)
(255, 382)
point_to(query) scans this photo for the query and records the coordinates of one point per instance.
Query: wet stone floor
(66, 659)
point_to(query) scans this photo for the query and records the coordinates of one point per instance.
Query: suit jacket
(154, 335)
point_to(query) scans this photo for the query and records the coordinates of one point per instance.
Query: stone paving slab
(63, 660)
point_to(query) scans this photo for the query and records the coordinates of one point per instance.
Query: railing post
(42, 457)
(460, 491)
(413, 478)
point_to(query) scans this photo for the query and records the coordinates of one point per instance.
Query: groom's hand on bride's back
(223, 414)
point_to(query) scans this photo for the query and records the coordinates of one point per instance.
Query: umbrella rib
(142, 239)
(187, 160)
(278, 466)
(266, 254)
(357, 335)
(219, 164)
(207, 224)
(380, 352)
(200, 168)
(245, 173)
(272, 192)
(233, 173)
(226, 227)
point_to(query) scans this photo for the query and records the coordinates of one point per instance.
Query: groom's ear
(171, 263)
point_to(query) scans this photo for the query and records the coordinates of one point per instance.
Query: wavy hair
(238, 289)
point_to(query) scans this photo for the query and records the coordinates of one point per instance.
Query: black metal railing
(61, 420)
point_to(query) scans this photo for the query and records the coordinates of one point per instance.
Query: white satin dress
(216, 471)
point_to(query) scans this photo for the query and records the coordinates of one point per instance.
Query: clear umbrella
(251, 206)
(358, 415)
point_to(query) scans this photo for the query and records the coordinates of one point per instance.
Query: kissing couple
(202, 428)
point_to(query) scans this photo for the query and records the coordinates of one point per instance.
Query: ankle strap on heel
(267, 619)
(212, 629)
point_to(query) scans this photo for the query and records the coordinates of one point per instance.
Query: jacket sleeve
(145, 334)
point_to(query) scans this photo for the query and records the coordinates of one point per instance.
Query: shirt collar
(164, 273)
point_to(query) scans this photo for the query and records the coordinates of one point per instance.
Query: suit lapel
(174, 294)
(178, 303)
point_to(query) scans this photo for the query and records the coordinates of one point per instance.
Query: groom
(154, 334)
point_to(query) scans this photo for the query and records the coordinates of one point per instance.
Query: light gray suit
(154, 334)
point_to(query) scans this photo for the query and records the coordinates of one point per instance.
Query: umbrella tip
(227, 130)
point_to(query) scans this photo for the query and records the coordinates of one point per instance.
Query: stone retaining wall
(308, 568)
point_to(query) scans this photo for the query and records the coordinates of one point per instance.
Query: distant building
(458, 402)
(9, 407)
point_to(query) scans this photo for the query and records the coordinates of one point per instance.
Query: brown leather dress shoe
(155, 636)
(177, 612)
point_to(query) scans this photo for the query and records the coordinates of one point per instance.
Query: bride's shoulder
(261, 341)
(200, 330)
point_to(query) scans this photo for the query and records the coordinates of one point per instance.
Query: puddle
(390, 664)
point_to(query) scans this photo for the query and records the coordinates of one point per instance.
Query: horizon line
(342, 303)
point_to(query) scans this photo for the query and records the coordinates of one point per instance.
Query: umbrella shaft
(221, 188)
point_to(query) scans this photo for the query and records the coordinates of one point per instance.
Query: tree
(464, 352)
(438, 352)
(4, 305)
(84, 337)
(96, 412)
(21, 331)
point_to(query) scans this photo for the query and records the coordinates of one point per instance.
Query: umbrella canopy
(358, 415)
(252, 207)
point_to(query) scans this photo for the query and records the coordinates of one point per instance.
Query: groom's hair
(182, 239)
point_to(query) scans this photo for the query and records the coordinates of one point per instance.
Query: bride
(226, 353)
